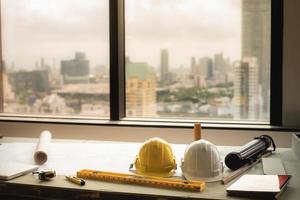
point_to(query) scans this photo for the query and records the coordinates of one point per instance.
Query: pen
(75, 180)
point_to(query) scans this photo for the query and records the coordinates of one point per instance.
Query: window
(56, 57)
(204, 59)
(121, 59)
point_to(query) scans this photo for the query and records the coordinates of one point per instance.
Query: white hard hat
(202, 162)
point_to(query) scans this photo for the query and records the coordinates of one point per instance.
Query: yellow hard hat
(155, 158)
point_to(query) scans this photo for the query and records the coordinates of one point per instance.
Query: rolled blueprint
(40, 155)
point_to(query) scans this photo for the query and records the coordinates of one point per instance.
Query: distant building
(164, 64)
(98, 109)
(24, 81)
(199, 80)
(140, 90)
(221, 67)
(206, 67)
(76, 70)
(52, 104)
(256, 42)
(220, 63)
(246, 89)
(8, 94)
(193, 65)
(202, 73)
(76, 95)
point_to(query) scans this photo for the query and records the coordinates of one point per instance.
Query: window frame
(117, 83)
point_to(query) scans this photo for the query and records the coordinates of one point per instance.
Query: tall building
(140, 90)
(8, 94)
(193, 65)
(220, 63)
(29, 81)
(256, 42)
(164, 65)
(206, 67)
(246, 89)
(221, 67)
(76, 70)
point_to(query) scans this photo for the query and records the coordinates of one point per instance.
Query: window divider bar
(2, 65)
(276, 84)
(117, 59)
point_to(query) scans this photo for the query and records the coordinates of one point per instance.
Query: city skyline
(203, 68)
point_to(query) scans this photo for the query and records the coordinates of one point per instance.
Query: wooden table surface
(69, 156)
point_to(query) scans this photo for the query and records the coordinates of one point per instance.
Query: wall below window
(138, 134)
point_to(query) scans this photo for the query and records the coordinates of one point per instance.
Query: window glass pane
(56, 57)
(207, 59)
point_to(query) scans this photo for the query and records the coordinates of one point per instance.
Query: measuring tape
(141, 180)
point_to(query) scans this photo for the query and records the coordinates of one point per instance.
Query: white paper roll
(40, 155)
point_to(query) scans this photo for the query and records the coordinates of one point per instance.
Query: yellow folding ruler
(141, 180)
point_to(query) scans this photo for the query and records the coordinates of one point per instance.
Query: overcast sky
(55, 29)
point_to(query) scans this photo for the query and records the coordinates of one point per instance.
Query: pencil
(197, 131)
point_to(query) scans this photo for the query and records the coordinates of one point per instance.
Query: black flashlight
(250, 152)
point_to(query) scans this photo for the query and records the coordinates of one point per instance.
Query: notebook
(258, 185)
(10, 170)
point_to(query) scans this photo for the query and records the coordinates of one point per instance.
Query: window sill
(151, 123)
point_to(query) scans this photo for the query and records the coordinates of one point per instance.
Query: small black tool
(45, 174)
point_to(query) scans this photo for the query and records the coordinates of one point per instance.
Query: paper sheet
(256, 183)
(67, 158)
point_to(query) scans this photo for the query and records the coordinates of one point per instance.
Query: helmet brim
(206, 179)
(156, 174)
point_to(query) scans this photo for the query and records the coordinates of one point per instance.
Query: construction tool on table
(45, 175)
(141, 180)
(244, 168)
(248, 156)
(250, 152)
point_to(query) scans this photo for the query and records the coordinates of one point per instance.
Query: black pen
(76, 180)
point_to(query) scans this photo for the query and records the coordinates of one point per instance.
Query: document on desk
(67, 158)
(10, 170)
(258, 185)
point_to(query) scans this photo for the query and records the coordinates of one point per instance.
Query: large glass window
(207, 59)
(56, 57)
(184, 59)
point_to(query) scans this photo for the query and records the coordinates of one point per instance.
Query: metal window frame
(117, 59)
(276, 79)
(117, 78)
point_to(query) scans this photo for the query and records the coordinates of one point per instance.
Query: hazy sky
(55, 29)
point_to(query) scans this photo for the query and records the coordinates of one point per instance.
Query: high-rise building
(221, 67)
(76, 70)
(8, 94)
(29, 83)
(220, 63)
(140, 90)
(206, 67)
(164, 65)
(193, 65)
(256, 42)
(246, 89)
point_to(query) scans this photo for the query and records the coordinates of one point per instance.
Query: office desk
(69, 156)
